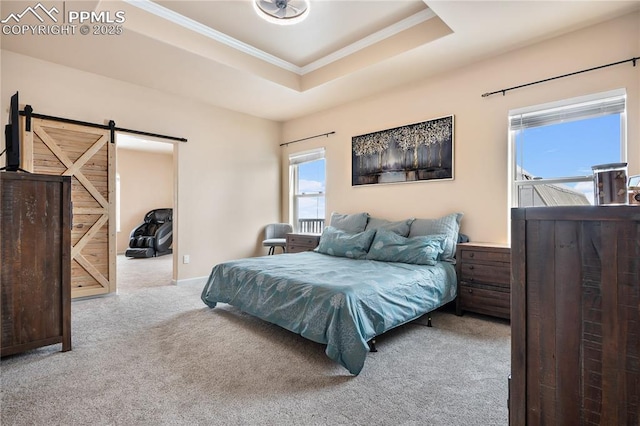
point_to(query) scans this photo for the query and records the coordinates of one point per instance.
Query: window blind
(563, 114)
(305, 157)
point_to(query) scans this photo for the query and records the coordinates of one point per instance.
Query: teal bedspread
(337, 301)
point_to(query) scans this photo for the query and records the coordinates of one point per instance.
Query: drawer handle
(470, 290)
(471, 267)
(471, 254)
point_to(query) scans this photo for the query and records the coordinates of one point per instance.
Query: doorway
(145, 180)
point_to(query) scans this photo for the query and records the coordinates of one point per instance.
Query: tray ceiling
(222, 53)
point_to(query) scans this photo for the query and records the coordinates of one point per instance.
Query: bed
(344, 294)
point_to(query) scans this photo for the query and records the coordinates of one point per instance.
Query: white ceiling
(220, 52)
(332, 25)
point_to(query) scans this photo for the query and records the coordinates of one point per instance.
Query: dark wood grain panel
(575, 316)
(568, 321)
(519, 303)
(591, 247)
(540, 371)
(35, 220)
(610, 326)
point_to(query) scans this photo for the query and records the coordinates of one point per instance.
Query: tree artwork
(421, 151)
(371, 144)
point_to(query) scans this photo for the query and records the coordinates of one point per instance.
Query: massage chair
(154, 236)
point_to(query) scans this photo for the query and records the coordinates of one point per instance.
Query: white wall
(146, 183)
(480, 187)
(227, 173)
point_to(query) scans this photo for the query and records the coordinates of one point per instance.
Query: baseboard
(191, 281)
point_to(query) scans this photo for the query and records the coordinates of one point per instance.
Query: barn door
(86, 154)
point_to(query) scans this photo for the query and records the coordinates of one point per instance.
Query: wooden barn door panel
(86, 154)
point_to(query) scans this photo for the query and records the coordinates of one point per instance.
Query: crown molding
(188, 23)
(383, 34)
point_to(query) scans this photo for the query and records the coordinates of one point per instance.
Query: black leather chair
(154, 236)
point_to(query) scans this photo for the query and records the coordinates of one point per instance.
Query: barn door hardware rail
(28, 113)
(504, 91)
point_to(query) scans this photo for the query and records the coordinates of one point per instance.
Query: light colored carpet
(156, 355)
(135, 274)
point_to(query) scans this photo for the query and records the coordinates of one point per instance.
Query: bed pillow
(448, 225)
(336, 242)
(351, 223)
(387, 246)
(400, 227)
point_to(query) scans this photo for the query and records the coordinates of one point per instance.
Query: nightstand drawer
(485, 300)
(485, 256)
(298, 248)
(484, 279)
(498, 274)
(302, 242)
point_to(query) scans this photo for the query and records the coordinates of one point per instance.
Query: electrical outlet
(186, 258)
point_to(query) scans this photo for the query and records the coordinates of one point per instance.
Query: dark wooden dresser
(35, 248)
(575, 316)
(484, 277)
(301, 242)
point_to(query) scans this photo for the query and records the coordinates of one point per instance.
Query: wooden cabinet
(484, 276)
(301, 242)
(575, 316)
(35, 249)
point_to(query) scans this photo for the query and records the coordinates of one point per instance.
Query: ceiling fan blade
(297, 5)
(268, 6)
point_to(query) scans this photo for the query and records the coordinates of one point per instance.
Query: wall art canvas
(415, 152)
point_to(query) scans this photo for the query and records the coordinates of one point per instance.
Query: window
(553, 147)
(307, 181)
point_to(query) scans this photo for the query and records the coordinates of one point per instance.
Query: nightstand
(302, 242)
(484, 279)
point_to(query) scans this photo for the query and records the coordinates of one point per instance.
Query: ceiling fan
(282, 11)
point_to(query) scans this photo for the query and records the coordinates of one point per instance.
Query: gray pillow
(400, 227)
(351, 223)
(448, 225)
(336, 242)
(388, 246)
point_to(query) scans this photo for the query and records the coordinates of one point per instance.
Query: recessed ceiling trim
(390, 31)
(170, 15)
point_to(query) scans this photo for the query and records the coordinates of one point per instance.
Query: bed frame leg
(429, 321)
(372, 345)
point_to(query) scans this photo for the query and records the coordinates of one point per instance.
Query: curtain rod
(310, 137)
(503, 91)
(28, 112)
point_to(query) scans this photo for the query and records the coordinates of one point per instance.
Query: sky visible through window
(311, 180)
(570, 149)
